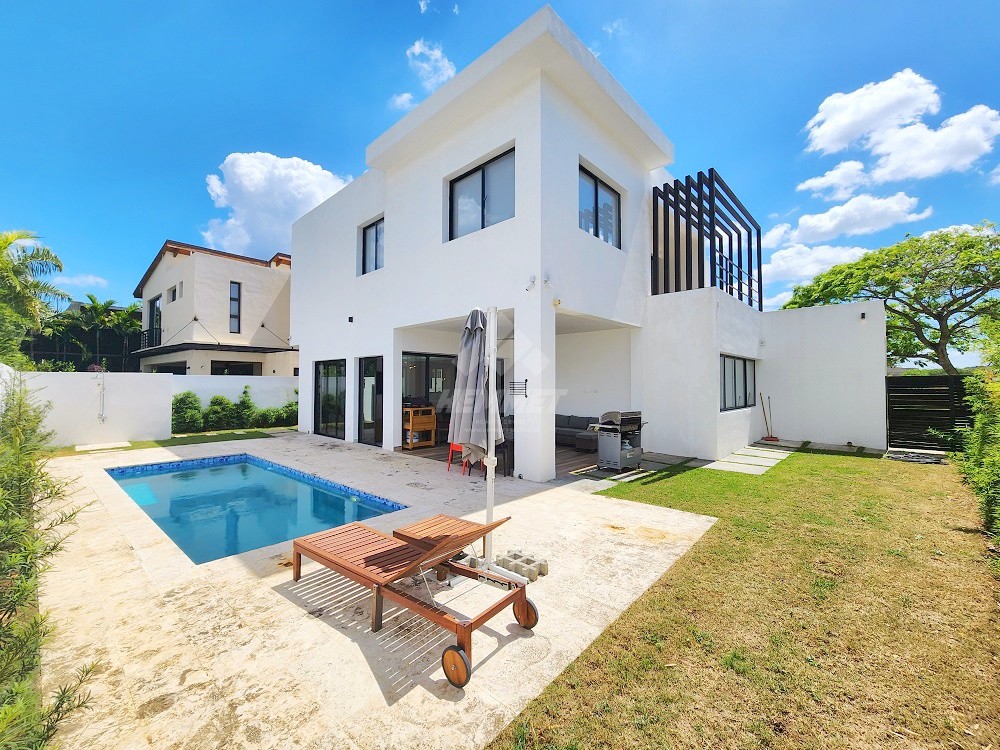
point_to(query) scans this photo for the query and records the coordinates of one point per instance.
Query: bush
(270, 417)
(980, 463)
(245, 409)
(290, 413)
(220, 414)
(185, 413)
(32, 511)
(55, 365)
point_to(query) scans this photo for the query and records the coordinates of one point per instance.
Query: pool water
(216, 507)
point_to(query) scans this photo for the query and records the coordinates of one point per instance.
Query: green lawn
(213, 437)
(840, 601)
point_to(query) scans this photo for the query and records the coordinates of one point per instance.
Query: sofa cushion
(562, 420)
(580, 423)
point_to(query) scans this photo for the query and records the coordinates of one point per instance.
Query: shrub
(55, 365)
(185, 413)
(290, 413)
(245, 409)
(980, 463)
(220, 414)
(270, 417)
(32, 510)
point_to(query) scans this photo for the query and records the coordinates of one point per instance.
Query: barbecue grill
(618, 440)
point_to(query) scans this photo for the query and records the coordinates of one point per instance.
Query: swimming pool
(221, 506)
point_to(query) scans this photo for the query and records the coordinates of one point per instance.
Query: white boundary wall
(104, 407)
(135, 406)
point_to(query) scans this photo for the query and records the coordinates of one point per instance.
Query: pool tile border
(165, 467)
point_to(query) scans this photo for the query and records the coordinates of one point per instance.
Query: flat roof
(182, 248)
(543, 42)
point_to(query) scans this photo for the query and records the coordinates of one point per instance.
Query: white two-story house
(207, 312)
(533, 182)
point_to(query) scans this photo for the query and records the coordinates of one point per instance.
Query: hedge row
(187, 414)
(980, 462)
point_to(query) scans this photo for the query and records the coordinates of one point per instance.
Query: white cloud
(402, 101)
(455, 9)
(800, 262)
(843, 118)
(840, 183)
(917, 151)
(87, 280)
(862, 214)
(775, 236)
(775, 302)
(264, 194)
(430, 64)
(953, 229)
(424, 5)
(995, 176)
(616, 28)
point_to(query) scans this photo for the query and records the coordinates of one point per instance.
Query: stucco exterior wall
(593, 372)
(824, 369)
(199, 361)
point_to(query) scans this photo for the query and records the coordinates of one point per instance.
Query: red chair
(454, 448)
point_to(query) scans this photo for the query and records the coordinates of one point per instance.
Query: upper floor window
(737, 383)
(373, 246)
(483, 196)
(600, 209)
(235, 297)
(172, 294)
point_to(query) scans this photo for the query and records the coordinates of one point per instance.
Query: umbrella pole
(491, 405)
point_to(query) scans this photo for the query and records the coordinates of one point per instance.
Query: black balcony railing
(704, 236)
(149, 338)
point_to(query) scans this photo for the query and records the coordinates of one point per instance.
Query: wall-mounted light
(531, 284)
(863, 315)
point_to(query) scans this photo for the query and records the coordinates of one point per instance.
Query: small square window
(172, 294)
(737, 383)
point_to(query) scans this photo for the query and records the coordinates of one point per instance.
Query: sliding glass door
(370, 400)
(331, 398)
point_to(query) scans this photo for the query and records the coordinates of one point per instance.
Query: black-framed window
(235, 295)
(600, 209)
(482, 197)
(373, 246)
(737, 383)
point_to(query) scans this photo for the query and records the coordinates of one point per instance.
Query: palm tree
(125, 323)
(96, 317)
(23, 265)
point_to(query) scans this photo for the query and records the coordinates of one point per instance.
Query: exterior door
(370, 400)
(331, 398)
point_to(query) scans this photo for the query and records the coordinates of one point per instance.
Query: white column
(534, 361)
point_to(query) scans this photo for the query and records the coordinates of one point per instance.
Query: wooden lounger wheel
(456, 665)
(526, 614)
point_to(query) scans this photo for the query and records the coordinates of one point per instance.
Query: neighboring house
(206, 312)
(486, 194)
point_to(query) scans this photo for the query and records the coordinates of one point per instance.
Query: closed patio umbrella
(475, 415)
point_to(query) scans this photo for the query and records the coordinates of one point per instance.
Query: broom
(769, 437)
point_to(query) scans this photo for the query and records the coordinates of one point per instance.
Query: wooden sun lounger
(375, 560)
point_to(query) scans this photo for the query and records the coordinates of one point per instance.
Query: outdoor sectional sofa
(571, 430)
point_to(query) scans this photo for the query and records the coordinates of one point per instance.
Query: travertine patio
(233, 654)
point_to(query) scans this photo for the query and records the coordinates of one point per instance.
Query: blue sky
(128, 123)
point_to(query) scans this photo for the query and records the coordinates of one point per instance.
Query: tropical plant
(26, 298)
(937, 288)
(33, 513)
(980, 461)
(125, 323)
(245, 410)
(186, 413)
(24, 264)
(96, 316)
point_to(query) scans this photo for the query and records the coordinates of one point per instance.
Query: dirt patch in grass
(840, 601)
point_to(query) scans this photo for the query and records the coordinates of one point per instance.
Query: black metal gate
(924, 411)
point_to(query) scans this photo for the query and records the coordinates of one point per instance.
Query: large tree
(936, 289)
(96, 316)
